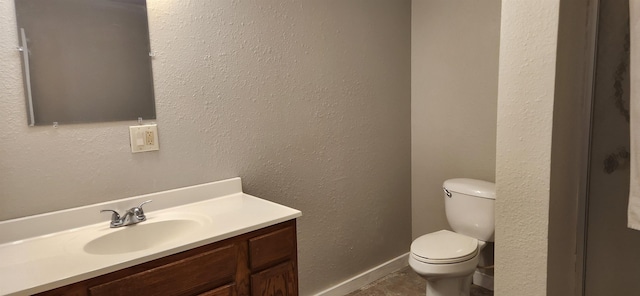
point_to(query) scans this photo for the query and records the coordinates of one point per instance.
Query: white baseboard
(367, 277)
(483, 280)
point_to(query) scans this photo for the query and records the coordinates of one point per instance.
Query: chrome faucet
(132, 216)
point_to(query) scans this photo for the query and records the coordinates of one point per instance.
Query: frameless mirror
(85, 60)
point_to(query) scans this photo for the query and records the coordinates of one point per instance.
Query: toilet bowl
(447, 259)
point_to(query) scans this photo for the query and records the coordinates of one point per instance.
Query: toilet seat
(444, 247)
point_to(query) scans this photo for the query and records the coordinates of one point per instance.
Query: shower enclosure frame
(583, 194)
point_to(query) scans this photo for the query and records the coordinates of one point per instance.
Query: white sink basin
(141, 236)
(160, 229)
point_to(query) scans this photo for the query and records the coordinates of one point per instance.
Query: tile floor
(405, 282)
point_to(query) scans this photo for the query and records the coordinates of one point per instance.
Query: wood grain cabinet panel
(272, 248)
(228, 290)
(178, 278)
(278, 280)
(262, 262)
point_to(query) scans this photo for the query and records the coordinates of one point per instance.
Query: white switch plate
(144, 138)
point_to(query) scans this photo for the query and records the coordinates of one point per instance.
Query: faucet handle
(144, 203)
(139, 213)
(115, 216)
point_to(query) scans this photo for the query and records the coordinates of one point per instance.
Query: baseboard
(483, 280)
(367, 277)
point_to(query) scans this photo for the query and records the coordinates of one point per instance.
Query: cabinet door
(279, 280)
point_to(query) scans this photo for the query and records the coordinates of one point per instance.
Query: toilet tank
(469, 206)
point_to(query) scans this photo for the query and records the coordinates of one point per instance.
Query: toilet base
(450, 286)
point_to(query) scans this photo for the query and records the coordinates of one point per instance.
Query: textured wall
(528, 40)
(454, 94)
(307, 101)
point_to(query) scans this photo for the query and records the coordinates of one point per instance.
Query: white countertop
(43, 252)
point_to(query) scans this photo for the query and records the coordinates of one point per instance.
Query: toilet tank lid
(472, 187)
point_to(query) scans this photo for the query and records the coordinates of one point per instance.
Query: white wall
(454, 75)
(308, 102)
(546, 55)
(528, 41)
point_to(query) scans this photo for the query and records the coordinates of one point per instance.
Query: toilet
(448, 259)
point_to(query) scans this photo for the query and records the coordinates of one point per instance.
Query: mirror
(85, 60)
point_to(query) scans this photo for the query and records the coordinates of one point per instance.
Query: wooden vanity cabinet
(273, 273)
(262, 262)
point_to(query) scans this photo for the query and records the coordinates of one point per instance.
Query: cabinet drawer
(206, 270)
(277, 280)
(271, 248)
(228, 290)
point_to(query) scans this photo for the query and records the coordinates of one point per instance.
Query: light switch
(144, 138)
